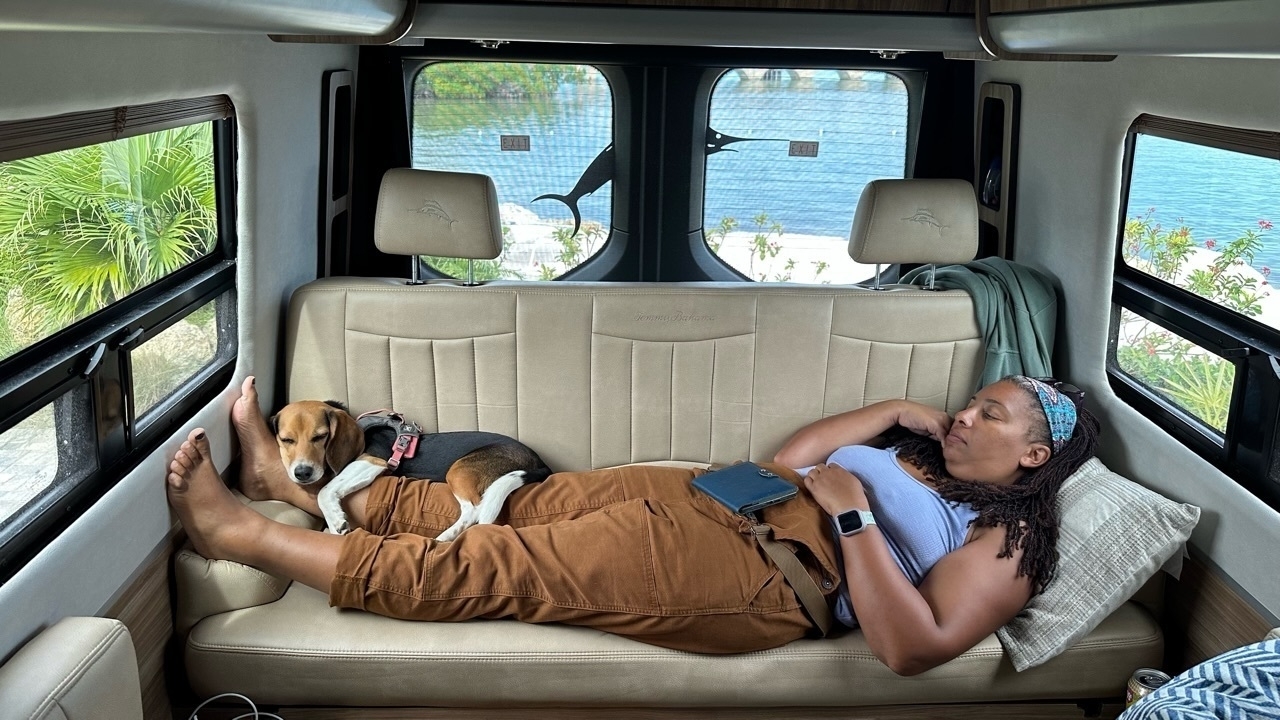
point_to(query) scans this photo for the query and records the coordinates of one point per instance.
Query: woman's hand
(924, 420)
(835, 488)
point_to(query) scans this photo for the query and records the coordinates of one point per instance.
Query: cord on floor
(254, 714)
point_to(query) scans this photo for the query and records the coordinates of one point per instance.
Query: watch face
(849, 522)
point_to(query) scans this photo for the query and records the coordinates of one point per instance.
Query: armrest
(211, 587)
(78, 669)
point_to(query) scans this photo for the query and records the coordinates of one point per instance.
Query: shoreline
(530, 244)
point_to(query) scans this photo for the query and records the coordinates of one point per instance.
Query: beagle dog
(320, 442)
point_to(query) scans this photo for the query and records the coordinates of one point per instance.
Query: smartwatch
(852, 522)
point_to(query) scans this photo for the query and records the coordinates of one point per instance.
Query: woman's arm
(815, 442)
(967, 595)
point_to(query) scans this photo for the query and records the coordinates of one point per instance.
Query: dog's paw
(341, 527)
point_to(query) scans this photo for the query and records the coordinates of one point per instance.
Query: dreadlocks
(1028, 509)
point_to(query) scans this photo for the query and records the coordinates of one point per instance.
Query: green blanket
(1016, 308)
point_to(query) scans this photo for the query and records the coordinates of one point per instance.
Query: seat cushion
(298, 650)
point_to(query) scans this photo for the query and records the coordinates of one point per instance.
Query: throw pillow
(1114, 535)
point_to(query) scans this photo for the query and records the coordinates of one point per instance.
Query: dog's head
(313, 436)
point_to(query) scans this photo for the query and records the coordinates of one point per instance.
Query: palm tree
(82, 228)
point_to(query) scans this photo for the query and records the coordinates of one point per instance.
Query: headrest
(447, 214)
(915, 221)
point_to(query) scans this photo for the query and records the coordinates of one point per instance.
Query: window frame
(608, 254)
(95, 351)
(1248, 451)
(914, 80)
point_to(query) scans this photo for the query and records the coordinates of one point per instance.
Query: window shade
(1264, 143)
(25, 138)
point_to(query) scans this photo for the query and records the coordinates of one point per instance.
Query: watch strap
(866, 516)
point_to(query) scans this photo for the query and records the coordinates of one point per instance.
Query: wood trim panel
(1205, 616)
(144, 607)
(1000, 711)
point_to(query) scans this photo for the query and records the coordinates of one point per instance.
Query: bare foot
(219, 526)
(262, 474)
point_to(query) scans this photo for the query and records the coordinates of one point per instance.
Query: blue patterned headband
(1059, 409)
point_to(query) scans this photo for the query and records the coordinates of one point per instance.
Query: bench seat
(593, 375)
(298, 650)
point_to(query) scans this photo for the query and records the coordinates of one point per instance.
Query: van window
(117, 298)
(1195, 329)
(85, 227)
(788, 153)
(544, 133)
(1201, 218)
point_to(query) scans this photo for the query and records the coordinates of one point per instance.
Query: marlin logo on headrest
(925, 217)
(431, 208)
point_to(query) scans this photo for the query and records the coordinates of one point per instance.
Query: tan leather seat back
(81, 668)
(600, 374)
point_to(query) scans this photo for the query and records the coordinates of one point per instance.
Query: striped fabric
(1242, 684)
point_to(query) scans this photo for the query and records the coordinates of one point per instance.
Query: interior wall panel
(1074, 120)
(276, 90)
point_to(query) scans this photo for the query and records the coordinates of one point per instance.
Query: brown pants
(634, 551)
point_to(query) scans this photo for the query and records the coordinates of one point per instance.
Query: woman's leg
(681, 574)
(399, 505)
(221, 528)
(676, 574)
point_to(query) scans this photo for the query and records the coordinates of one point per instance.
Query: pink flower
(1150, 210)
(1266, 271)
(1265, 224)
(1210, 243)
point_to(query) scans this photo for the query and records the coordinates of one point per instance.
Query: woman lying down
(964, 511)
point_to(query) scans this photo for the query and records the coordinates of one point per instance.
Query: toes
(249, 389)
(184, 458)
(199, 442)
(176, 481)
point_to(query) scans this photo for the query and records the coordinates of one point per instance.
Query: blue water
(1218, 194)
(861, 133)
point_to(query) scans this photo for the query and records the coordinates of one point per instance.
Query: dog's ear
(274, 423)
(346, 441)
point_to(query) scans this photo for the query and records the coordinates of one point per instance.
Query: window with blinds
(117, 298)
(1195, 330)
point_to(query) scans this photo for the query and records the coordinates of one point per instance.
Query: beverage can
(1142, 683)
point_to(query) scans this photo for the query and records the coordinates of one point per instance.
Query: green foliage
(715, 238)
(166, 361)
(1174, 367)
(575, 248)
(451, 80)
(82, 228)
(482, 270)
(765, 246)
